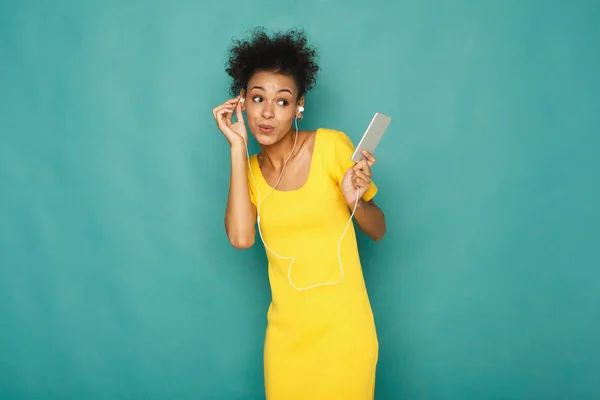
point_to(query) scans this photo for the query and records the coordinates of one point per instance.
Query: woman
(321, 341)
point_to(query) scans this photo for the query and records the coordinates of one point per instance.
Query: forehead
(272, 82)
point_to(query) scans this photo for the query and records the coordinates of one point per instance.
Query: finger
(238, 112)
(229, 103)
(222, 111)
(362, 184)
(363, 176)
(227, 106)
(353, 179)
(359, 181)
(221, 107)
(361, 165)
(224, 116)
(370, 158)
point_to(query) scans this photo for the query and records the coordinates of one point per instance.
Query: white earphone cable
(259, 202)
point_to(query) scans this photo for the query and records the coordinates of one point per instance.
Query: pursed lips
(266, 128)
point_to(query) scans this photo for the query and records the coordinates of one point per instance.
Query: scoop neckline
(308, 177)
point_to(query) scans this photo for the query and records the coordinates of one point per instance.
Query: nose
(267, 111)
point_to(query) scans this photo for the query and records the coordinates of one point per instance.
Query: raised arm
(240, 214)
(352, 177)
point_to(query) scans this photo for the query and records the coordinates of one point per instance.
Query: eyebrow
(280, 90)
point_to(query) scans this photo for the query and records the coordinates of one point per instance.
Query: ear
(243, 99)
(300, 112)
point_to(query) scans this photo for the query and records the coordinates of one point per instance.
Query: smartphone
(372, 136)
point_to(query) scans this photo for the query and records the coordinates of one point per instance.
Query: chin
(266, 140)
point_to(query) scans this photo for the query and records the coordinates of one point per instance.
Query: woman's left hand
(358, 177)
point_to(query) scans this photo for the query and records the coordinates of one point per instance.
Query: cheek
(286, 115)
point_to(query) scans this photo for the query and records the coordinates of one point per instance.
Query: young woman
(301, 191)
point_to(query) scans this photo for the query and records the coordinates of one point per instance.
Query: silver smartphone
(372, 136)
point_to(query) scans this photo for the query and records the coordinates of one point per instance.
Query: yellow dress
(320, 343)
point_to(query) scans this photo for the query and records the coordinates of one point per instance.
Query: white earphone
(259, 202)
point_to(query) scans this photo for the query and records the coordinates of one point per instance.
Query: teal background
(116, 277)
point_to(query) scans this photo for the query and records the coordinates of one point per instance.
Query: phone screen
(372, 136)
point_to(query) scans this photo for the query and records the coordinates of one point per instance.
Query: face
(270, 104)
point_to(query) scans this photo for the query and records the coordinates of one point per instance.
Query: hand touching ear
(223, 114)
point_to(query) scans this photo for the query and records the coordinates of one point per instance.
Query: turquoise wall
(117, 280)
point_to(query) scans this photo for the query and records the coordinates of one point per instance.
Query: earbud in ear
(300, 109)
(242, 99)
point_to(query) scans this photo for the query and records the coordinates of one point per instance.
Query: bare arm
(370, 219)
(240, 214)
(369, 216)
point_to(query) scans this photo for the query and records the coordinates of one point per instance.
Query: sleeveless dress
(320, 343)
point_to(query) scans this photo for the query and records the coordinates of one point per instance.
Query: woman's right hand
(234, 132)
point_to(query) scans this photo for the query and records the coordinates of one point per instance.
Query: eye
(259, 99)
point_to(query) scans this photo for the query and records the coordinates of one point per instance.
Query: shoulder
(331, 134)
(335, 148)
(333, 139)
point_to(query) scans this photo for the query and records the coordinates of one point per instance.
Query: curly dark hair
(284, 52)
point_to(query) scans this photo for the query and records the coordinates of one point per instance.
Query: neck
(277, 154)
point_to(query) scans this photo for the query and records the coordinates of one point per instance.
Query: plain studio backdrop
(117, 280)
